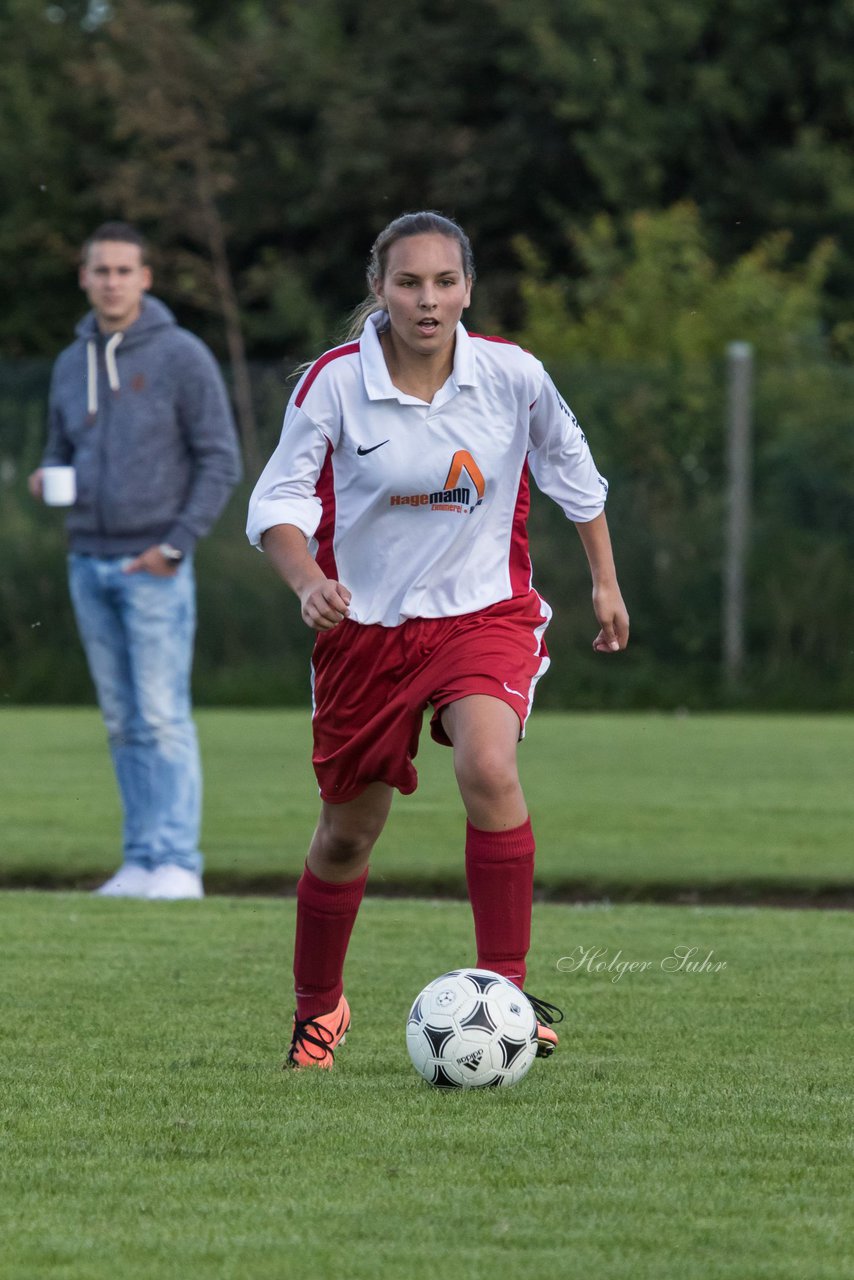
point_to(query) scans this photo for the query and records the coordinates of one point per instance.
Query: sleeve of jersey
(560, 459)
(286, 492)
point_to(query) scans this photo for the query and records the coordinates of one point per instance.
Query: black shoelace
(548, 1013)
(302, 1035)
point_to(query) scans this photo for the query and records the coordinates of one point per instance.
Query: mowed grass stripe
(691, 1124)
(622, 804)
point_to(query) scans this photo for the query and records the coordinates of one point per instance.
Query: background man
(138, 407)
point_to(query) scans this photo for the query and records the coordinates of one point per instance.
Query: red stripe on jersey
(325, 532)
(350, 349)
(506, 342)
(520, 559)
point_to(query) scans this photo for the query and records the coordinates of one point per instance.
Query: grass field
(622, 804)
(692, 1126)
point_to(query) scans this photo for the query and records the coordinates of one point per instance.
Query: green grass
(622, 804)
(692, 1126)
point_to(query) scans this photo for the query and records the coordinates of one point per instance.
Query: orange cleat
(547, 1040)
(315, 1040)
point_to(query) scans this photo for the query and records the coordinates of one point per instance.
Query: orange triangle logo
(463, 461)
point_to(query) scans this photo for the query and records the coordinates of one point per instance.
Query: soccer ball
(471, 1029)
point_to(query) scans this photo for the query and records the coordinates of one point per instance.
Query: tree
(637, 344)
(169, 93)
(655, 293)
(318, 122)
(46, 201)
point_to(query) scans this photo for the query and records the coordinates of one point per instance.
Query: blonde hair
(408, 224)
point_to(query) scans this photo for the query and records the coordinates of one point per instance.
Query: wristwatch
(170, 553)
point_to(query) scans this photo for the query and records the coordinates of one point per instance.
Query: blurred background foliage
(643, 184)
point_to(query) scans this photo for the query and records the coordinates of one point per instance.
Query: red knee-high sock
(500, 876)
(326, 914)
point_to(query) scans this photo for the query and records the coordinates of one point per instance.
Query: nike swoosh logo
(361, 452)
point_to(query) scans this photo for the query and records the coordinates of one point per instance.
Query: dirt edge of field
(825, 896)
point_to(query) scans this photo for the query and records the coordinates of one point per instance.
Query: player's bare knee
(343, 847)
(490, 775)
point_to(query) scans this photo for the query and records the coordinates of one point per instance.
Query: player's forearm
(323, 602)
(286, 547)
(596, 541)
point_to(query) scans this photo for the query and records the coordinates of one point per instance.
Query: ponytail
(358, 317)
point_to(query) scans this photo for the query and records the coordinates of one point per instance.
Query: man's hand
(35, 484)
(153, 561)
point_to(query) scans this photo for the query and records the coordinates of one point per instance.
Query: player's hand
(613, 618)
(324, 604)
(35, 483)
(152, 560)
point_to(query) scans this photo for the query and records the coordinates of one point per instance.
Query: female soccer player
(395, 508)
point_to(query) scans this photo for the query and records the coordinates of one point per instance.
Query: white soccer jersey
(420, 509)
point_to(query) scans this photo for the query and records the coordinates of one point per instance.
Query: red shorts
(372, 684)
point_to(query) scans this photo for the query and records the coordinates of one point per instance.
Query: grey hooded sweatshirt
(143, 417)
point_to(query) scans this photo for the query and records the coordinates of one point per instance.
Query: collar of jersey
(379, 385)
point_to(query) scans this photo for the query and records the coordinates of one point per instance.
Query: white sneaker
(171, 881)
(130, 881)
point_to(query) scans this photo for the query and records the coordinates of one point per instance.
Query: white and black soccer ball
(471, 1029)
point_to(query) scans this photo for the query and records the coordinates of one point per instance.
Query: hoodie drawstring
(110, 357)
(92, 370)
(91, 378)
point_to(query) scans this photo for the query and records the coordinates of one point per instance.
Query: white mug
(59, 486)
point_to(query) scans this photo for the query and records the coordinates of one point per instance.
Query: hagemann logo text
(452, 496)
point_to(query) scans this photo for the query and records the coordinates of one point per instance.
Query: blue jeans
(137, 631)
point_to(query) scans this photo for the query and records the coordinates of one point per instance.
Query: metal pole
(739, 358)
